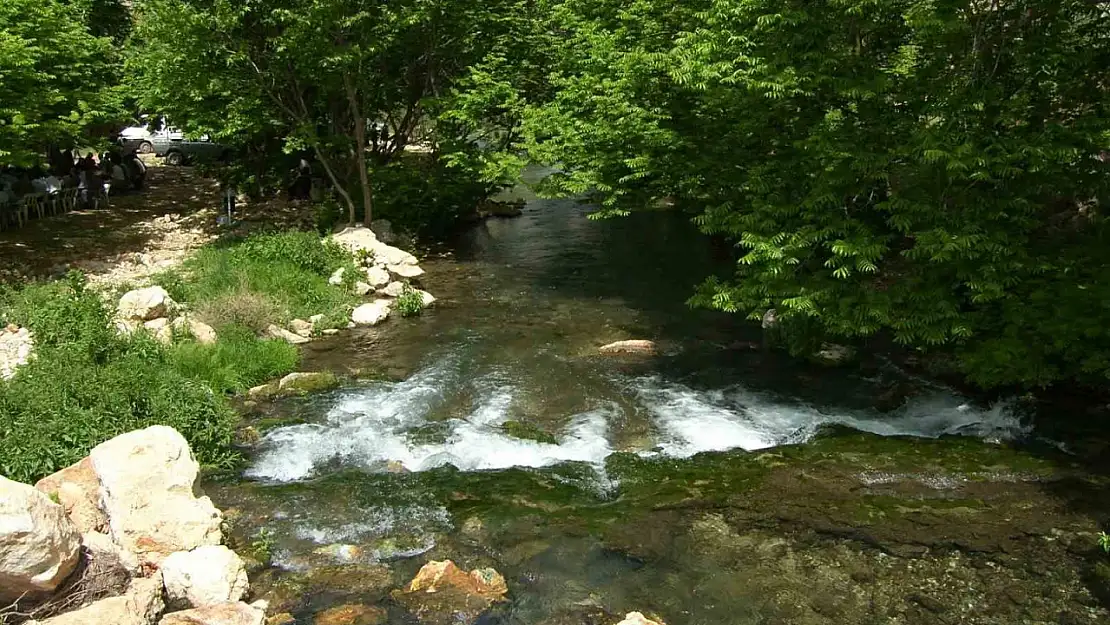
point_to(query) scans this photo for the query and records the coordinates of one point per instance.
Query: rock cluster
(15, 349)
(132, 502)
(153, 310)
(387, 271)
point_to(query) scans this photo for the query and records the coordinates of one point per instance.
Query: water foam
(373, 426)
(692, 421)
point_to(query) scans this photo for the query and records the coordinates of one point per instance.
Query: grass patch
(264, 279)
(86, 384)
(410, 303)
(236, 362)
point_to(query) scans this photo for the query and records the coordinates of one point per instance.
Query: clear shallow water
(523, 306)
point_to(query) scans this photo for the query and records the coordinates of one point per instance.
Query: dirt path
(141, 233)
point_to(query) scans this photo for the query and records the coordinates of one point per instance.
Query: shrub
(410, 303)
(237, 362)
(64, 402)
(1104, 541)
(61, 313)
(242, 308)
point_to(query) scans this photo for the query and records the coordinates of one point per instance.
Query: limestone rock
(160, 329)
(629, 347)
(635, 618)
(371, 314)
(204, 576)
(356, 239)
(202, 332)
(263, 391)
(362, 288)
(395, 289)
(148, 482)
(359, 239)
(315, 319)
(330, 332)
(238, 613)
(101, 551)
(336, 278)
(351, 614)
(16, 345)
(300, 327)
(282, 334)
(39, 546)
(427, 298)
(77, 489)
(442, 593)
(145, 304)
(377, 277)
(307, 382)
(406, 271)
(140, 605)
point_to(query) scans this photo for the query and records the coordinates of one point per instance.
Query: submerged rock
(308, 382)
(442, 593)
(833, 354)
(351, 614)
(629, 347)
(39, 546)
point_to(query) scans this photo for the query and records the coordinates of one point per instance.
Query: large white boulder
(39, 546)
(148, 488)
(145, 304)
(377, 277)
(77, 489)
(160, 329)
(218, 614)
(204, 576)
(391, 256)
(141, 605)
(371, 314)
(356, 238)
(426, 298)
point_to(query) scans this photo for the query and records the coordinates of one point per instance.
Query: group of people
(93, 177)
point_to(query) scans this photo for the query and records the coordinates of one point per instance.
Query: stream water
(490, 431)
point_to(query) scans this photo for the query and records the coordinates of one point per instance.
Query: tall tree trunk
(360, 151)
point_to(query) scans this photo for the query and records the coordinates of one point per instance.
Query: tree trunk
(360, 152)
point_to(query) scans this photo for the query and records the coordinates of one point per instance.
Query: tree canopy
(927, 170)
(57, 78)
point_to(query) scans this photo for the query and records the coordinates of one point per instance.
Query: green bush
(410, 303)
(426, 197)
(67, 400)
(237, 362)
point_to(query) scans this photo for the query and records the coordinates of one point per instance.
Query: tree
(923, 169)
(354, 82)
(55, 78)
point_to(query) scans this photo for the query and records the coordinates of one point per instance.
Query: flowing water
(490, 430)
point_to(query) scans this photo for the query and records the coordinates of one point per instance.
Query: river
(491, 432)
